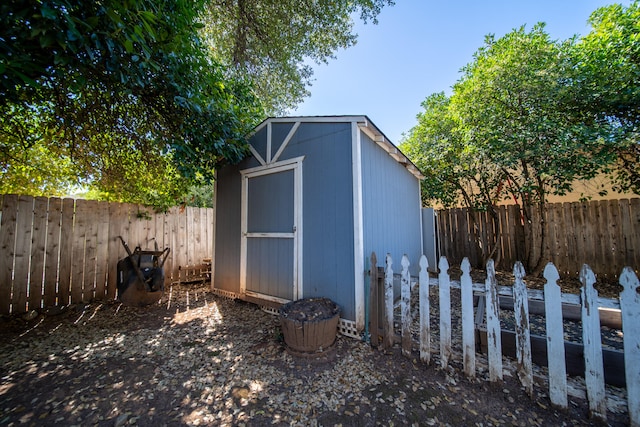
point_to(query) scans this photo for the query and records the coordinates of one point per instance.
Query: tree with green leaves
(520, 128)
(273, 42)
(141, 100)
(607, 65)
(454, 170)
(127, 92)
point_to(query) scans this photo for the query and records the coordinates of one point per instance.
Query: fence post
(445, 311)
(468, 326)
(555, 338)
(405, 304)
(630, 306)
(593, 375)
(388, 303)
(494, 337)
(523, 341)
(425, 325)
(373, 300)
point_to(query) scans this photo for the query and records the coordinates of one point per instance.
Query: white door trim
(294, 164)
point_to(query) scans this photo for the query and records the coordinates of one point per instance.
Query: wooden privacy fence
(60, 251)
(603, 234)
(382, 326)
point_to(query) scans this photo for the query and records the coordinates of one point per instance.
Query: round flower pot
(310, 326)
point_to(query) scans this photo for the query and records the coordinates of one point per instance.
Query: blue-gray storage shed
(301, 215)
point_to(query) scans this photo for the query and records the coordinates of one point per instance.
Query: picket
(373, 300)
(555, 338)
(468, 326)
(494, 336)
(630, 305)
(594, 375)
(388, 303)
(425, 324)
(553, 299)
(444, 294)
(405, 306)
(523, 339)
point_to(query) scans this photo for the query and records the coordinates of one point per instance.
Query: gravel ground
(199, 359)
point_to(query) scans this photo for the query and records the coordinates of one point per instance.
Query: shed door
(270, 231)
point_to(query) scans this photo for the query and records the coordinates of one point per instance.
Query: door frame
(294, 164)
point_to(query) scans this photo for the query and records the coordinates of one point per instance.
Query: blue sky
(418, 48)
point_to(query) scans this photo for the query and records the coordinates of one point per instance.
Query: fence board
(461, 235)
(79, 241)
(38, 242)
(605, 238)
(7, 244)
(118, 226)
(52, 252)
(91, 251)
(591, 216)
(166, 243)
(66, 251)
(634, 209)
(616, 236)
(102, 250)
(444, 230)
(503, 234)
(572, 245)
(583, 253)
(182, 256)
(626, 243)
(172, 224)
(23, 249)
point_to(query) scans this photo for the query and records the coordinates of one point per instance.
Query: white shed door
(270, 230)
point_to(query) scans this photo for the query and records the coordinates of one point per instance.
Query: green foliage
(530, 116)
(608, 67)
(271, 41)
(125, 91)
(140, 101)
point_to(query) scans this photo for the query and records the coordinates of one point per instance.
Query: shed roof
(365, 124)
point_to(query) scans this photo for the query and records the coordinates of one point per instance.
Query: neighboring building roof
(365, 124)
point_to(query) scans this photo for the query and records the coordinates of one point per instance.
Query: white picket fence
(629, 304)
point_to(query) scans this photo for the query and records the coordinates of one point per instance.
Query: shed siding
(327, 228)
(227, 263)
(391, 207)
(279, 132)
(259, 142)
(228, 224)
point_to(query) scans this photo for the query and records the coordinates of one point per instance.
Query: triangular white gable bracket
(273, 158)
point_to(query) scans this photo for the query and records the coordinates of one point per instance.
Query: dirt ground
(200, 359)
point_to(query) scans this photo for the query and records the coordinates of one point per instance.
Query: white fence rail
(629, 305)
